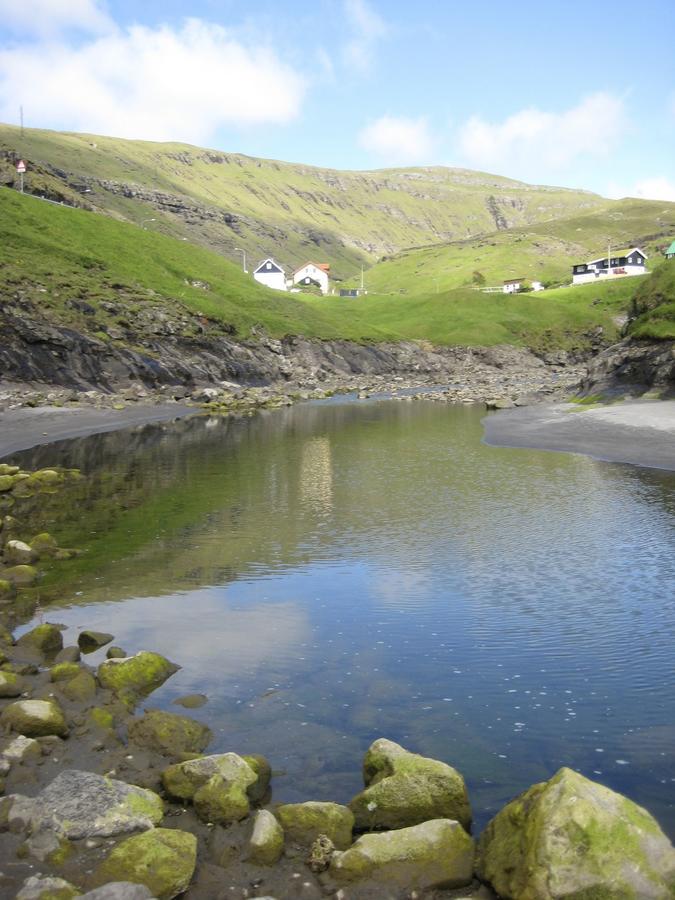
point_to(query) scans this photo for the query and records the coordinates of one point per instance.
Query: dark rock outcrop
(632, 367)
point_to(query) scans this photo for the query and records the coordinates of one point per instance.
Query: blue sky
(576, 94)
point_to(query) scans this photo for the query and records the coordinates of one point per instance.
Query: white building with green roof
(670, 252)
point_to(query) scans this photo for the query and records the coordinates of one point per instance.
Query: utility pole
(243, 254)
(609, 255)
(21, 117)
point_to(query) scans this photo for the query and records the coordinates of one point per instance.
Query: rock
(68, 654)
(21, 749)
(191, 701)
(100, 718)
(184, 779)
(403, 789)
(64, 671)
(320, 854)
(163, 860)
(44, 544)
(78, 805)
(6, 636)
(115, 653)
(134, 677)
(18, 553)
(119, 890)
(50, 888)
(45, 638)
(88, 641)
(21, 576)
(11, 685)
(438, 853)
(571, 837)
(304, 822)
(263, 770)
(169, 733)
(35, 718)
(81, 688)
(221, 801)
(266, 843)
(6, 589)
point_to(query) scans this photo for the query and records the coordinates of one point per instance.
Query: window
(268, 265)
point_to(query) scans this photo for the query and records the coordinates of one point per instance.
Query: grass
(544, 251)
(653, 306)
(60, 258)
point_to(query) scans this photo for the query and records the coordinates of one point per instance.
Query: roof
(269, 259)
(325, 267)
(671, 249)
(617, 254)
(514, 280)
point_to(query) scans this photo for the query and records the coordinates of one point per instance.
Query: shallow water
(337, 572)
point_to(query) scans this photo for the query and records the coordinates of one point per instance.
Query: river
(340, 571)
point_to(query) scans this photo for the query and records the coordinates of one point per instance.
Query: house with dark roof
(621, 264)
(271, 274)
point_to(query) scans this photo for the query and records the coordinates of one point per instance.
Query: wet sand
(23, 428)
(640, 432)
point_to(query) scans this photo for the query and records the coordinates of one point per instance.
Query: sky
(570, 93)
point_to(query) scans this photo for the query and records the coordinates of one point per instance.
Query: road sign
(21, 167)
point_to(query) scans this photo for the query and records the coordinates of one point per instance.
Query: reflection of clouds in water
(316, 474)
(213, 642)
(398, 587)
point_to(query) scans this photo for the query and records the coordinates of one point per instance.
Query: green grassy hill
(545, 251)
(653, 305)
(97, 275)
(294, 212)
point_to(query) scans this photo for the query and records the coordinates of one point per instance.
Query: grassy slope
(654, 305)
(294, 211)
(54, 254)
(545, 251)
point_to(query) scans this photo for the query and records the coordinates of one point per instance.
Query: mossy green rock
(64, 671)
(134, 677)
(6, 588)
(11, 685)
(6, 483)
(221, 801)
(7, 469)
(184, 779)
(17, 553)
(304, 822)
(403, 789)
(100, 718)
(573, 838)
(163, 860)
(263, 770)
(88, 641)
(21, 576)
(47, 888)
(44, 544)
(438, 853)
(45, 638)
(35, 718)
(81, 688)
(168, 733)
(266, 843)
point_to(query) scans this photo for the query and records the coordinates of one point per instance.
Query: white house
(537, 286)
(626, 262)
(313, 273)
(270, 274)
(512, 286)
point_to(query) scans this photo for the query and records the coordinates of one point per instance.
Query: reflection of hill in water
(204, 501)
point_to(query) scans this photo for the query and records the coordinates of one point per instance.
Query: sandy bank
(641, 432)
(23, 428)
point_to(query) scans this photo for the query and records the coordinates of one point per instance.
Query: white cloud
(646, 189)
(398, 139)
(367, 27)
(155, 83)
(48, 17)
(532, 139)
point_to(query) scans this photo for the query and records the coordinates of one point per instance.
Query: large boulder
(11, 684)
(18, 553)
(134, 677)
(88, 641)
(262, 768)
(170, 734)
(184, 779)
(35, 718)
(573, 838)
(79, 805)
(304, 822)
(21, 576)
(403, 789)
(266, 843)
(39, 887)
(81, 688)
(438, 853)
(221, 801)
(45, 638)
(162, 859)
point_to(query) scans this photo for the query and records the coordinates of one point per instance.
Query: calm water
(338, 572)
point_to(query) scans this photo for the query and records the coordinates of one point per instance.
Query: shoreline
(637, 432)
(22, 429)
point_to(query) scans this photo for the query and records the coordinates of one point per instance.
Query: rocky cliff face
(632, 367)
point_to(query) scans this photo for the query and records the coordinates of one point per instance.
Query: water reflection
(331, 573)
